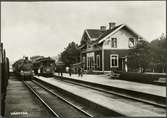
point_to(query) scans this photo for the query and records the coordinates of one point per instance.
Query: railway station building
(105, 49)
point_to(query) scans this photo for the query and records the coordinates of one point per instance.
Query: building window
(131, 42)
(92, 63)
(84, 61)
(88, 65)
(98, 61)
(114, 42)
(90, 60)
(113, 60)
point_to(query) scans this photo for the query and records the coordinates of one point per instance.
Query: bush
(139, 77)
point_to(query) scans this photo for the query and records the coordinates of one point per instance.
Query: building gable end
(85, 38)
(119, 28)
(104, 38)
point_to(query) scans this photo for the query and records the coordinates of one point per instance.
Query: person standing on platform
(79, 71)
(69, 71)
(61, 71)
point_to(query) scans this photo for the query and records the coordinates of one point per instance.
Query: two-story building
(106, 49)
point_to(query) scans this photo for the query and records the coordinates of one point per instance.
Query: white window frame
(87, 63)
(98, 61)
(114, 43)
(90, 60)
(84, 61)
(111, 57)
(129, 42)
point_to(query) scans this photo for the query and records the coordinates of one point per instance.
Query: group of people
(79, 71)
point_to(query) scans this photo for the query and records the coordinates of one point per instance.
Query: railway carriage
(4, 76)
(44, 66)
(60, 68)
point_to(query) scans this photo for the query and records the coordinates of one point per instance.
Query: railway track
(21, 103)
(133, 95)
(117, 96)
(57, 105)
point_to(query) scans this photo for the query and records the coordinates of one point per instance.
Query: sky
(46, 28)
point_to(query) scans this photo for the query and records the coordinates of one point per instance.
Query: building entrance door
(124, 64)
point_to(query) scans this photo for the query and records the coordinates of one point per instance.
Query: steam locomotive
(23, 69)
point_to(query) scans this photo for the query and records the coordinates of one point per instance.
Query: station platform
(119, 105)
(106, 80)
(21, 103)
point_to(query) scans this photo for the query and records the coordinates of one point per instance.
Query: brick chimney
(111, 25)
(102, 28)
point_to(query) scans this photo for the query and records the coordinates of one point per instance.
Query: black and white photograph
(81, 59)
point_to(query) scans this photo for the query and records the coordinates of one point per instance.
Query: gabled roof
(97, 36)
(114, 30)
(108, 32)
(94, 33)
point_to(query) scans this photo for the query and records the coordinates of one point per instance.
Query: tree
(138, 57)
(158, 52)
(71, 54)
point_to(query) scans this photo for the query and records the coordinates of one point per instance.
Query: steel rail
(46, 105)
(118, 94)
(73, 105)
